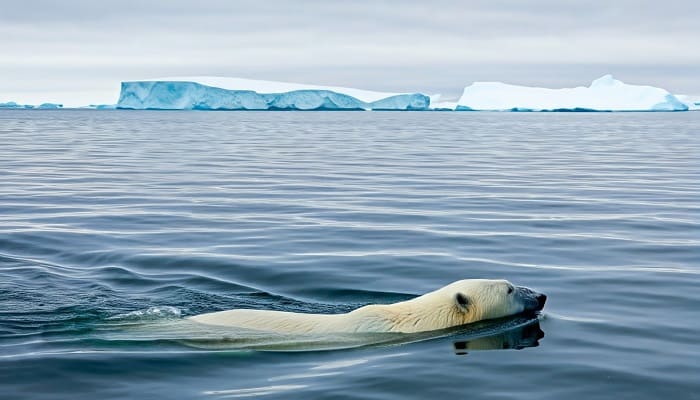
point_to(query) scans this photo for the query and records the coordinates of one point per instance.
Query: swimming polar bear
(456, 304)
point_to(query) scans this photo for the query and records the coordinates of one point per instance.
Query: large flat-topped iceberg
(215, 93)
(604, 94)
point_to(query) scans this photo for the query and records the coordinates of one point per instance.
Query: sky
(82, 50)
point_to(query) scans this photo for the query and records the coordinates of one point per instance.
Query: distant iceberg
(49, 106)
(604, 94)
(13, 105)
(44, 106)
(100, 107)
(693, 102)
(213, 93)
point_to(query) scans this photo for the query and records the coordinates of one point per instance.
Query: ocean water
(116, 225)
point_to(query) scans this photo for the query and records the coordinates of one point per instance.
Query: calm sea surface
(116, 225)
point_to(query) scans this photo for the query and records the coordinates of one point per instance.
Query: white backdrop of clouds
(49, 48)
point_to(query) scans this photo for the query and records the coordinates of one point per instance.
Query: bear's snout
(541, 299)
(532, 301)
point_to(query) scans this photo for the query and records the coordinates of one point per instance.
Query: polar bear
(456, 304)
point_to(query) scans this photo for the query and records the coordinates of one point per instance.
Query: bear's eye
(510, 289)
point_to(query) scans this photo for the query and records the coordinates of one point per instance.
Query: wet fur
(443, 308)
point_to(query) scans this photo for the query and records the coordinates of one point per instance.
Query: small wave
(149, 314)
(574, 318)
(256, 391)
(333, 365)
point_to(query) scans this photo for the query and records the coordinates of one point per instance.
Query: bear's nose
(541, 299)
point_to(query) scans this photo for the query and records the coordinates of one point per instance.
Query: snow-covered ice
(604, 94)
(215, 93)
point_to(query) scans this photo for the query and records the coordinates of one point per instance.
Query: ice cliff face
(604, 94)
(206, 93)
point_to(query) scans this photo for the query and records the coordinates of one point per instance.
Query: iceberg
(43, 106)
(693, 102)
(71, 95)
(49, 106)
(604, 94)
(13, 105)
(100, 106)
(214, 93)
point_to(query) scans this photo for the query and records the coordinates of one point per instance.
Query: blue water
(115, 225)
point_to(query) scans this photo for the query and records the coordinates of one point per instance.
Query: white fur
(435, 310)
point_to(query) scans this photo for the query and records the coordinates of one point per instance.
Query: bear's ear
(462, 301)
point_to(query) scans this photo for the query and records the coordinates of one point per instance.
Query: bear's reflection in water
(518, 338)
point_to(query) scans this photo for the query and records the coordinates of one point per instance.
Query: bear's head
(480, 299)
(456, 304)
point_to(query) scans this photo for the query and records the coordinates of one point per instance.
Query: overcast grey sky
(430, 46)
